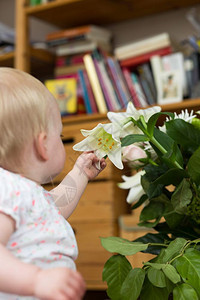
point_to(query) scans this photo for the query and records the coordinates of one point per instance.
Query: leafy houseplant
(172, 159)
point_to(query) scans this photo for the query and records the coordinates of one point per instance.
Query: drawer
(92, 273)
(101, 201)
(88, 236)
(129, 231)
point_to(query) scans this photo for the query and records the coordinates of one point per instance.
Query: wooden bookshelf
(68, 13)
(105, 202)
(7, 59)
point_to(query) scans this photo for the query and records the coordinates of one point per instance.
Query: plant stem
(160, 147)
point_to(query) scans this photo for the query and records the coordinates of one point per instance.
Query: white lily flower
(121, 118)
(184, 115)
(103, 140)
(134, 184)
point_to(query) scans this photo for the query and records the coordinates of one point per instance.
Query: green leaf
(188, 267)
(181, 196)
(154, 265)
(158, 238)
(133, 138)
(132, 285)
(172, 176)
(184, 292)
(172, 218)
(167, 143)
(153, 119)
(153, 210)
(171, 273)
(140, 202)
(194, 166)
(174, 248)
(150, 292)
(122, 246)
(115, 271)
(156, 277)
(184, 133)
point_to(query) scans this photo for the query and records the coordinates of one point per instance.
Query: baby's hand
(59, 284)
(89, 163)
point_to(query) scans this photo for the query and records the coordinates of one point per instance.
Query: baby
(37, 244)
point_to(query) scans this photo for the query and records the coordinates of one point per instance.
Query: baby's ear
(41, 146)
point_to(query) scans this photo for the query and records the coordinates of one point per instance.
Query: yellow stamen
(99, 143)
(106, 140)
(99, 139)
(110, 147)
(113, 143)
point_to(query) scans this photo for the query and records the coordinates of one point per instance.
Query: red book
(143, 58)
(134, 96)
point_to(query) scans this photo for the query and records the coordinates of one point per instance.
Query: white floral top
(42, 237)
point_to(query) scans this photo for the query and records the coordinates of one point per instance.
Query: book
(139, 91)
(147, 82)
(68, 69)
(88, 31)
(143, 58)
(119, 81)
(175, 61)
(94, 81)
(68, 60)
(157, 69)
(105, 81)
(135, 99)
(84, 46)
(64, 91)
(142, 46)
(86, 98)
(168, 83)
(90, 92)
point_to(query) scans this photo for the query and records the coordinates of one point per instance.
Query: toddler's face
(55, 147)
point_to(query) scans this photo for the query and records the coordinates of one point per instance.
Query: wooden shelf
(190, 104)
(68, 13)
(7, 59)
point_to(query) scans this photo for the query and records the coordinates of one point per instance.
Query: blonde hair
(25, 104)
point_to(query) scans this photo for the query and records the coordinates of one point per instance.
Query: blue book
(86, 98)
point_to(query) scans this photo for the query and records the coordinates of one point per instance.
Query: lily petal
(135, 194)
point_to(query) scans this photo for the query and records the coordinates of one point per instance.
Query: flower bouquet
(166, 160)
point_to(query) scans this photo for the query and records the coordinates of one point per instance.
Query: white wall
(174, 22)
(38, 29)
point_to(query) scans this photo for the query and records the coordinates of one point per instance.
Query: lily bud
(131, 154)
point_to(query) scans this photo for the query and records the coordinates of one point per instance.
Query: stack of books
(139, 52)
(7, 39)
(100, 86)
(134, 59)
(82, 56)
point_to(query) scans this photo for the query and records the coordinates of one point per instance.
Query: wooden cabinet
(99, 208)
(103, 202)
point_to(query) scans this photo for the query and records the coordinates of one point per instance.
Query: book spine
(143, 58)
(157, 69)
(107, 85)
(93, 78)
(90, 92)
(69, 60)
(68, 32)
(131, 87)
(139, 91)
(103, 85)
(118, 83)
(68, 69)
(85, 93)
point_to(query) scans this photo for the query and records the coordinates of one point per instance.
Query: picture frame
(170, 87)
